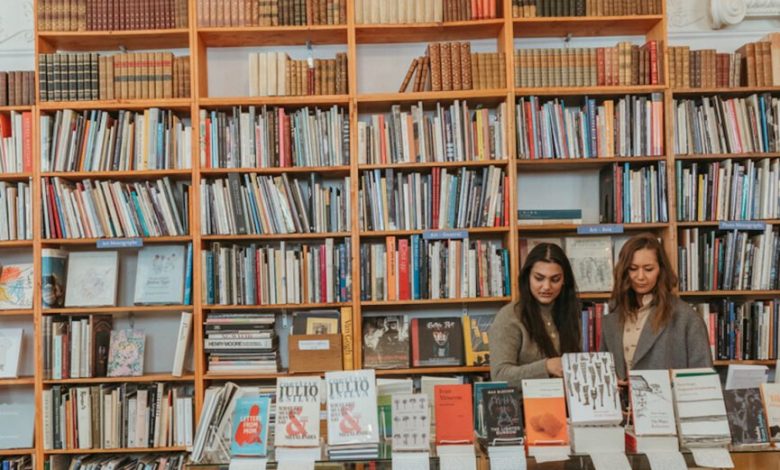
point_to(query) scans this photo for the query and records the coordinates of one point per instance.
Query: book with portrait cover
(770, 393)
(747, 421)
(351, 407)
(386, 342)
(297, 411)
(53, 265)
(545, 413)
(454, 414)
(437, 341)
(502, 414)
(249, 437)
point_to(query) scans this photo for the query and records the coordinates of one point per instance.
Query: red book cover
(599, 314)
(56, 231)
(207, 143)
(475, 4)
(280, 140)
(652, 46)
(504, 222)
(454, 414)
(414, 331)
(529, 125)
(436, 176)
(5, 126)
(601, 79)
(403, 269)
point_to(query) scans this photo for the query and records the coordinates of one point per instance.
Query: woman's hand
(554, 367)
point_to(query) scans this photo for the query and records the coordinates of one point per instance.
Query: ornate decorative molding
(732, 12)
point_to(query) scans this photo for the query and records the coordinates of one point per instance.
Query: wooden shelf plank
(464, 300)
(734, 91)
(249, 375)
(16, 244)
(121, 175)
(434, 370)
(15, 176)
(275, 236)
(277, 306)
(120, 309)
(327, 170)
(115, 451)
(585, 26)
(108, 40)
(16, 311)
(594, 295)
(13, 452)
(563, 164)
(373, 102)
(287, 101)
(724, 156)
(403, 233)
(273, 36)
(715, 223)
(177, 104)
(535, 228)
(730, 293)
(593, 91)
(20, 381)
(93, 241)
(425, 32)
(744, 362)
(143, 378)
(22, 108)
(429, 165)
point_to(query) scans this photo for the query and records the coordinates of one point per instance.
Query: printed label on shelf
(600, 229)
(741, 225)
(445, 234)
(120, 243)
(314, 345)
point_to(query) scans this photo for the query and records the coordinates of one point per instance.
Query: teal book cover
(250, 427)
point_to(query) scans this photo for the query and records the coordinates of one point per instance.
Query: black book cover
(747, 420)
(437, 342)
(386, 342)
(503, 416)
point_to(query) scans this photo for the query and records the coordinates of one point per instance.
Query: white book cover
(10, 352)
(698, 393)
(352, 413)
(182, 342)
(159, 277)
(298, 411)
(591, 261)
(20, 435)
(411, 422)
(591, 388)
(16, 286)
(92, 279)
(84, 417)
(770, 392)
(651, 402)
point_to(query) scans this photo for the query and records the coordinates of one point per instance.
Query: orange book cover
(545, 412)
(391, 282)
(454, 414)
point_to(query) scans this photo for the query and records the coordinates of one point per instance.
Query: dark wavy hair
(625, 300)
(566, 308)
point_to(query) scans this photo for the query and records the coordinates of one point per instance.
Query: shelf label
(120, 243)
(600, 229)
(445, 234)
(314, 345)
(742, 225)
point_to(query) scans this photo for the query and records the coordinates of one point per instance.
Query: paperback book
(53, 264)
(454, 417)
(475, 331)
(297, 412)
(411, 422)
(126, 353)
(747, 421)
(250, 426)
(503, 416)
(92, 279)
(10, 352)
(651, 403)
(591, 388)
(770, 394)
(16, 286)
(351, 408)
(437, 342)
(159, 277)
(545, 413)
(386, 342)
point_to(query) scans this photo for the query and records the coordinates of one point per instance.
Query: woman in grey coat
(649, 326)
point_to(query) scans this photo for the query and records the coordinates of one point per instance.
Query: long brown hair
(566, 309)
(625, 300)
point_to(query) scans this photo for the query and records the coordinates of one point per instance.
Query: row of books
(558, 8)
(166, 461)
(734, 260)
(243, 343)
(117, 416)
(417, 268)
(462, 198)
(16, 142)
(710, 125)
(275, 74)
(17, 88)
(95, 140)
(728, 190)
(451, 66)
(288, 273)
(104, 15)
(629, 195)
(742, 330)
(23, 462)
(625, 64)
(15, 211)
(257, 204)
(217, 13)
(422, 11)
(270, 137)
(134, 75)
(449, 133)
(97, 209)
(627, 127)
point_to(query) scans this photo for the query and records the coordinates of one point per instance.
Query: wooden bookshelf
(85, 41)
(93, 241)
(430, 165)
(425, 32)
(731, 293)
(109, 380)
(272, 36)
(15, 176)
(630, 227)
(734, 91)
(16, 244)
(119, 309)
(725, 156)
(433, 370)
(585, 26)
(14, 452)
(275, 236)
(716, 223)
(430, 302)
(403, 233)
(286, 101)
(16, 311)
(175, 104)
(20, 381)
(538, 165)
(591, 91)
(119, 450)
(371, 102)
(132, 175)
(338, 170)
(750, 362)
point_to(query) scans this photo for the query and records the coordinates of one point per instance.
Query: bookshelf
(504, 35)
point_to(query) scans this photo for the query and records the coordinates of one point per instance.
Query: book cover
(454, 414)
(182, 344)
(386, 342)
(298, 411)
(747, 421)
(20, 435)
(322, 326)
(475, 332)
(651, 403)
(351, 409)
(100, 327)
(502, 414)
(591, 388)
(10, 351)
(301, 319)
(159, 277)
(545, 412)
(92, 279)
(16, 286)
(411, 422)
(770, 393)
(591, 261)
(249, 437)
(437, 342)
(53, 264)
(700, 409)
(126, 353)
(479, 424)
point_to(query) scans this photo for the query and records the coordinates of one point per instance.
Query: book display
(196, 193)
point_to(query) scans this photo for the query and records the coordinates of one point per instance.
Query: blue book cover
(479, 425)
(188, 276)
(250, 427)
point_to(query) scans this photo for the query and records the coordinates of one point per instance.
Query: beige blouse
(632, 329)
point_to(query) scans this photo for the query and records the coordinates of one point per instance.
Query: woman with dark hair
(528, 338)
(649, 326)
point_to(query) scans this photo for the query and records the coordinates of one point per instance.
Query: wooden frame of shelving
(504, 30)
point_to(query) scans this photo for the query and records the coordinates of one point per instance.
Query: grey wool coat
(682, 343)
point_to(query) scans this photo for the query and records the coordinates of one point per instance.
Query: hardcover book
(159, 277)
(475, 332)
(651, 403)
(411, 422)
(591, 388)
(250, 426)
(92, 279)
(454, 417)
(770, 393)
(545, 412)
(53, 264)
(479, 387)
(700, 409)
(351, 409)
(20, 435)
(437, 342)
(503, 416)
(10, 352)
(386, 342)
(298, 411)
(747, 421)
(16, 286)
(100, 330)
(126, 353)
(591, 261)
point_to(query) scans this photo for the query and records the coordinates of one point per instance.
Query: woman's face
(546, 281)
(643, 271)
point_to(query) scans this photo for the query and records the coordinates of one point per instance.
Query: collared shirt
(632, 329)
